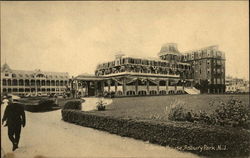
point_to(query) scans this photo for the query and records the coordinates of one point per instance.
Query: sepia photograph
(125, 79)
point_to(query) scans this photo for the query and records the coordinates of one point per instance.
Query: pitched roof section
(169, 48)
(32, 74)
(5, 67)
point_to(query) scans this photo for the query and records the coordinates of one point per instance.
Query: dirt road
(46, 134)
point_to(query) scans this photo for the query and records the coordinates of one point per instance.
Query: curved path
(47, 135)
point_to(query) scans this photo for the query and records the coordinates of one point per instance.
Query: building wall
(35, 82)
(208, 64)
(235, 85)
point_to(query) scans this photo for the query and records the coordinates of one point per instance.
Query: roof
(169, 48)
(89, 77)
(5, 67)
(32, 74)
(213, 47)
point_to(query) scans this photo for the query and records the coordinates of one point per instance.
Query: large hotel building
(172, 73)
(21, 82)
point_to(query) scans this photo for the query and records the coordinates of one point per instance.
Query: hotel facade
(172, 73)
(37, 82)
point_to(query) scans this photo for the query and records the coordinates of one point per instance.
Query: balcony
(141, 74)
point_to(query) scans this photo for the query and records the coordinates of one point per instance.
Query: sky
(76, 36)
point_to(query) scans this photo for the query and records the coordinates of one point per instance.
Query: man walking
(14, 115)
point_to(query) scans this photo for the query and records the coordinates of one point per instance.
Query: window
(218, 81)
(13, 75)
(6, 75)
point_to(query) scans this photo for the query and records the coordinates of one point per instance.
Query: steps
(192, 91)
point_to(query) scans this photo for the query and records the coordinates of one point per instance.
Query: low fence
(197, 138)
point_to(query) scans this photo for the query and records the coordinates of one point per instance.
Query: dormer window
(40, 75)
(6, 74)
(13, 75)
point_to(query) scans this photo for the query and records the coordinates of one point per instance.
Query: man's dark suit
(15, 116)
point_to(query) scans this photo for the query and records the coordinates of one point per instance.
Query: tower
(170, 52)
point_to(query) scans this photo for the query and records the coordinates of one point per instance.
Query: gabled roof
(32, 74)
(5, 68)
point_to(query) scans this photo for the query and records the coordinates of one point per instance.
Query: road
(47, 135)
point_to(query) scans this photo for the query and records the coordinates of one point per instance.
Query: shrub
(177, 111)
(46, 103)
(42, 105)
(75, 105)
(173, 134)
(233, 113)
(101, 105)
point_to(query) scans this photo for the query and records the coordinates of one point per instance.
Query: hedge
(76, 105)
(42, 106)
(179, 135)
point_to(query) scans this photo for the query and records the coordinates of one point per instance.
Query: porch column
(76, 94)
(96, 90)
(124, 86)
(158, 88)
(167, 83)
(147, 87)
(109, 83)
(183, 85)
(136, 87)
(82, 85)
(87, 88)
(102, 86)
(175, 87)
(116, 84)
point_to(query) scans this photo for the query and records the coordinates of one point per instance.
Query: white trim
(140, 74)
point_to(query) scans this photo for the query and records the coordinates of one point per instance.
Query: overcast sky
(75, 36)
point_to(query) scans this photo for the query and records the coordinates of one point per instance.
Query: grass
(146, 118)
(154, 107)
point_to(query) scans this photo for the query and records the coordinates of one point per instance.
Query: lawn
(154, 107)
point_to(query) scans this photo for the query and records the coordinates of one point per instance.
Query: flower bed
(197, 138)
